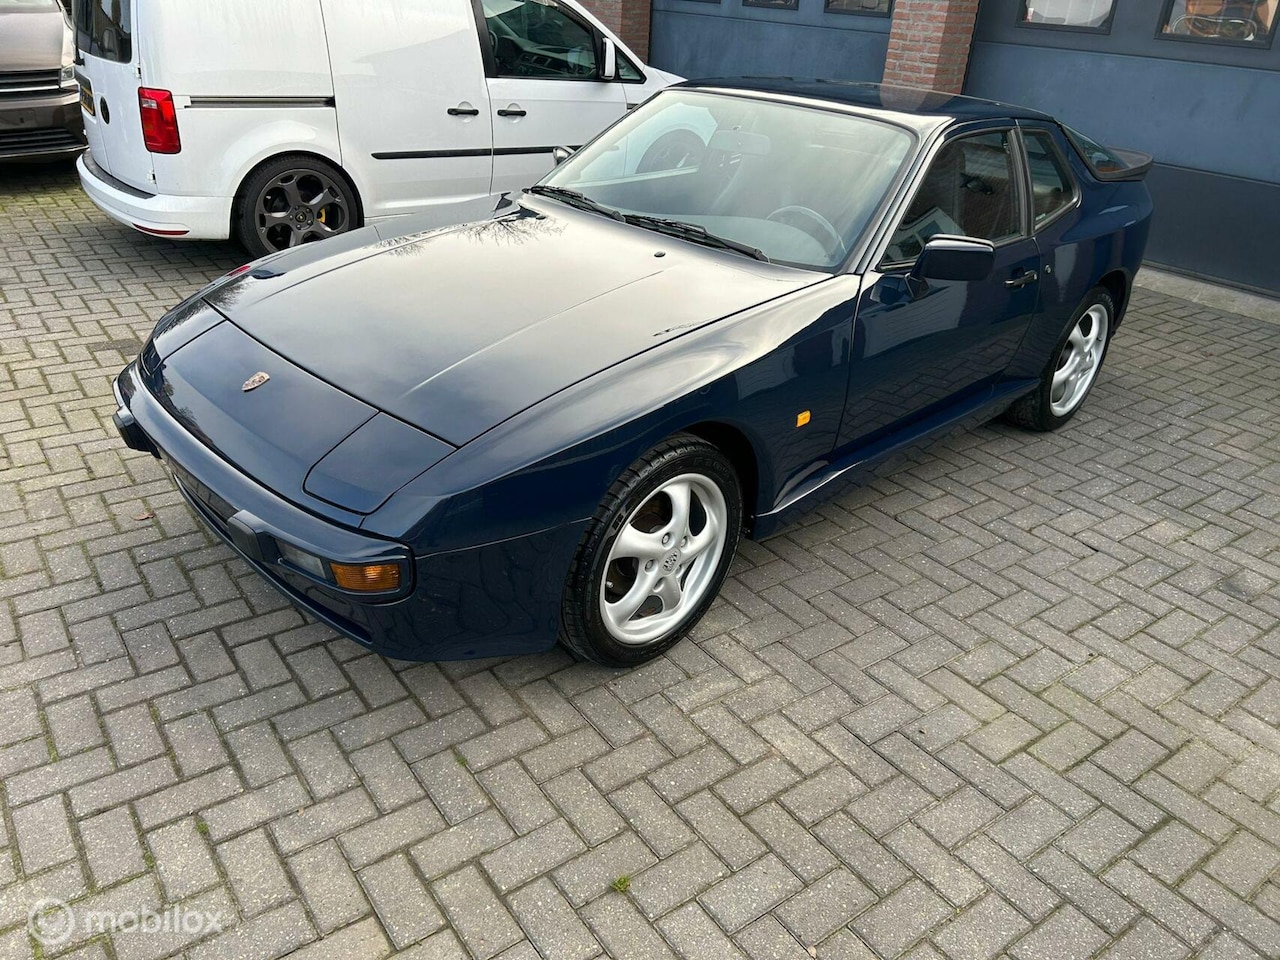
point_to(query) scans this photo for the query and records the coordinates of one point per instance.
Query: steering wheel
(826, 234)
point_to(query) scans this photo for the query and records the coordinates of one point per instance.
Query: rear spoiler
(1109, 163)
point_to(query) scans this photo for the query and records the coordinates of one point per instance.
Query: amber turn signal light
(368, 578)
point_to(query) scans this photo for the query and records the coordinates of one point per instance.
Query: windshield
(796, 183)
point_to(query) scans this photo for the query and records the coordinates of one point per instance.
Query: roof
(878, 96)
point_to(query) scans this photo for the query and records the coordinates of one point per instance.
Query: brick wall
(629, 19)
(929, 43)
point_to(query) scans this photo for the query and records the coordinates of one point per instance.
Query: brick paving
(1020, 698)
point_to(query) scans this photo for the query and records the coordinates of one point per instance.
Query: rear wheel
(655, 554)
(293, 200)
(1071, 372)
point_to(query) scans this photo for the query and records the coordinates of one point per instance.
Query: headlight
(68, 75)
(306, 562)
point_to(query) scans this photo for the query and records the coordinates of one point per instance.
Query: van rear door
(110, 77)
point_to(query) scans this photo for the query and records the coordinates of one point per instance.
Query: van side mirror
(560, 154)
(609, 69)
(947, 257)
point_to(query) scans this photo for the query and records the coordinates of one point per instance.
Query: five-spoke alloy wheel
(1073, 368)
(655, 554)
(1079, 360)
(291, 201)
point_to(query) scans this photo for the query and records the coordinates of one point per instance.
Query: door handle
(1023, 279)
(463, 112)
(513, 112)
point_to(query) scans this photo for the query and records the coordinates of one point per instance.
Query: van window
(540, 39)
(104, 29)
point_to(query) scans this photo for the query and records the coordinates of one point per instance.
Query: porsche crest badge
(257, 380)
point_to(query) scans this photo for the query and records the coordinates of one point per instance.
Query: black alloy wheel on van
(291, 201)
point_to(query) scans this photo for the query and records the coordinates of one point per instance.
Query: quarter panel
(1106, 233)
(235, 48)
(220, 145)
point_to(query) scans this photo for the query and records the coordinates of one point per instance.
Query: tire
(676, 587)
(1047, 407)
(291, 200)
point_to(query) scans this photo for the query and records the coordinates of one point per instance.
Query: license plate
(86, 97)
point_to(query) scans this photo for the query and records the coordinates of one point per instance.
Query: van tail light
(159, 121)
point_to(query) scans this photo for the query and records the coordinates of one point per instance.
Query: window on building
(538, 38)
(1052, 189)
(1068, 14)
(971, 190)
(1223, 21)
(875, 8)
(772, 4)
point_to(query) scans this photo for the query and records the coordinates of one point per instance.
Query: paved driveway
(1019, 698)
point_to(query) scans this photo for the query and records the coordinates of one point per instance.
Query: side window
(540, 39)
(971, 190)
(627, 70)
(1052, 189)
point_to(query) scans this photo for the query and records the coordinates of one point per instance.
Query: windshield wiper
(574, 199)
(691, 231)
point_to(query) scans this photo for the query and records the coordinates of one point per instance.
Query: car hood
(458, 329)
(32, 39)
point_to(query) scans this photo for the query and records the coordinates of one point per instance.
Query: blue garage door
(832, 39)
(1195, 83)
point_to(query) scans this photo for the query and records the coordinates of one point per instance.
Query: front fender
(756, 372)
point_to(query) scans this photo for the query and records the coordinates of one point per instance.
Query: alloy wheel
(1079, 361)
(664, 559)
(300, 206)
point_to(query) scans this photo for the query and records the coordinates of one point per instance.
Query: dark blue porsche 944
(558, 422)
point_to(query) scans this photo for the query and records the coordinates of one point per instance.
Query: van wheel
(293, 200)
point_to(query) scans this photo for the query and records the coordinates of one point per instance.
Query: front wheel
(655, 555)
(1074, 366)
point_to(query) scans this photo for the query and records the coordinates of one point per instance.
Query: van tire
(305, 193)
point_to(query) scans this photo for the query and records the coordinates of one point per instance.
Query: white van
(279, 122)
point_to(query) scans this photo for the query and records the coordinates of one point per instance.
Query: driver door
(543, 66)
(919, 355)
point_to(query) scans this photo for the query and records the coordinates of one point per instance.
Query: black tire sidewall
(582, 617)
(1048, 419)
(243, 227)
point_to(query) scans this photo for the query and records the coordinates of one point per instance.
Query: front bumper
(493, 599)
(41, 128)
(186, 218)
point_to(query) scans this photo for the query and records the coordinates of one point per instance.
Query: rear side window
(1052, 189)
(1102, 160)
(104, 28)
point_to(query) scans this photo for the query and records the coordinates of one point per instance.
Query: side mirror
(609, 69)
(560, 154)
(955, 258)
